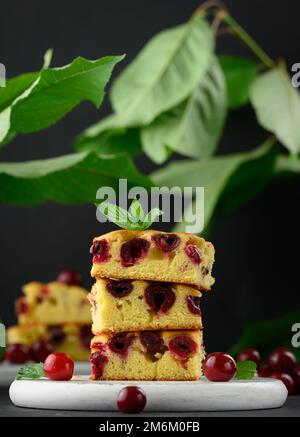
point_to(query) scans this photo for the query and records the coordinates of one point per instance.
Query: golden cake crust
(175, 266)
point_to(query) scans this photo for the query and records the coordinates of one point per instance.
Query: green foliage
(68, 179)
(164, 73)
(194, 127)
(245, 369)
(31, 371)
(268, 335)
(239, 75)
(36, 101)
(135, 219)
(277, 106)
(226, 179)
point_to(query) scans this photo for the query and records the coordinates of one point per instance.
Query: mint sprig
(31, 371)
(134, 219)
(245, 369)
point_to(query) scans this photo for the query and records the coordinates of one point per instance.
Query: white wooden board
(83, 394)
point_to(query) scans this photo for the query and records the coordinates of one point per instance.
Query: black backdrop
(257, 246)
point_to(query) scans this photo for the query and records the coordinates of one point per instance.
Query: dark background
(257, 247)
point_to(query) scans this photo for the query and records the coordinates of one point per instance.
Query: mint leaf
(245, 369)
(129, 220)
(136, 210)
(31, 371)
(150, 217)
(118, 215)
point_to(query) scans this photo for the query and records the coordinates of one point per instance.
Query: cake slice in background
(52, 317)
(155, 256)
(70, 338)
(148, 355)
(54, 303)
(125, 305)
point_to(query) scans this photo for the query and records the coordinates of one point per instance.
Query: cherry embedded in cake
(100, 251)
(193, 253)
(121, 306)
(21, 306)
(182, 347)
(179, 258)
(193, 304)
(119, 289)
(120, 344)
(175, 355)
(133, 251)
(160, 297)
(166, 242)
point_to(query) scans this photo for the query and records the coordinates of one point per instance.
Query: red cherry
(296, 377)
(193, 253)
(131, 399)
(100, 251)
(70, 277)
(166, 242)
(21, 306)
(219, 366)
(286, 379)
(134, 251)
(249, 354)
(40, 350)
(282, 360)
(159, 297)
(264, 371)
(119, 289)
(59, 366)
(193, 304)
(17, 353)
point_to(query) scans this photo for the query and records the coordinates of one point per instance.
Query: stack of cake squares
(56, 313)
(145, 303)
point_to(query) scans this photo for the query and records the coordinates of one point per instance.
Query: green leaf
(118, 215)
(31, 371)
(109, 137)
(268, 335)
(277, 106)
(14, 87)
(129, 220)
(228, 180)
(245, 369)
(136, 210)
(150, 218)
(239, 75)
(164, 73)
(69, 179)
(194, 127)
(54, 93)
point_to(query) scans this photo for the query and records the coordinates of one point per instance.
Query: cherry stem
(247, 40)
(220, 13)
